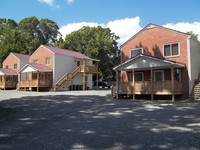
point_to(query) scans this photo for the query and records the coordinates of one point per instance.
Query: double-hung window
(15, 66)
(136, 51)
(47, 61)
(171, 50)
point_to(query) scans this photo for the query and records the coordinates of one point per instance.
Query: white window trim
(171, 49)
(134, 49)
(46, 60)
(162, 74)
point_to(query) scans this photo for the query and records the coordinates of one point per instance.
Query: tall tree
(95, 42)
(26, 36)
(8, 37)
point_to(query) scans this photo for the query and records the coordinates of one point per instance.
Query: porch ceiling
(141, 61)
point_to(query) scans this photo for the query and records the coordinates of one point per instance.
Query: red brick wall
(41, 54)
(10, 61)
(152, 41)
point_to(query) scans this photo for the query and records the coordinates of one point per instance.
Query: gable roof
(150, 25)
(22, 57)
(35, 67)
(66, 52)
(5, 71)
(142, 61)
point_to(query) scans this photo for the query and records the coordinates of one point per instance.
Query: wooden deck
(147, 87)
(35, 83)
(8, 82)
(88, 69)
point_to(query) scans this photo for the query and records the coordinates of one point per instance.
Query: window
(159, 75)
(78, 63)
(171, 49)
(47, 61)
(15, 66)
(34, 76)
(49, 76)
(139, 76)
(177, 75)
(35, 61)
(7, 66)
(136, 51)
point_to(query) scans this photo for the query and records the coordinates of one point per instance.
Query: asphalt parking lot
(93, 120)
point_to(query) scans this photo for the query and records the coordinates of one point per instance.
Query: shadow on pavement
(95, 122)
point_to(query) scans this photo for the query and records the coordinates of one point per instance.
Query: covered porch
(147, 75)
(35, 77)
(8, 79)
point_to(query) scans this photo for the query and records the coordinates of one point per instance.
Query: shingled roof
(66, 52)
(5, 71)
(22, 57)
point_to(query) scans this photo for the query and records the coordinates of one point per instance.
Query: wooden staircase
(67, 78)
(196, 89)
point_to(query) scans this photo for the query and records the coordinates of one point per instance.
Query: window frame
(135, 49)
(35, 61)
(163, 76)
(7, 66)
(47, 62)
(14, 66)
(131, 76)
(171, 51)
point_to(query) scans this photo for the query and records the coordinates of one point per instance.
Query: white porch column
(151, 77)
(133, 83)
(117, 84)
(84, 86)
(172, 83)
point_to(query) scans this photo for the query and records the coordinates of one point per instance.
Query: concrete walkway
(93, 120)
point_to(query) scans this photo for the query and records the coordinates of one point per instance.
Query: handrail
(68, 76)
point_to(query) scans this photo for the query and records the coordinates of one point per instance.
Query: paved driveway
(93, 120)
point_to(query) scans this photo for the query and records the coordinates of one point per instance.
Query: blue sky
(124, 17)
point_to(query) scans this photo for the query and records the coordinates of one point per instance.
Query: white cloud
(67, 29)
(70, 1)
(126, 28)
(50, 3)
(185, 27)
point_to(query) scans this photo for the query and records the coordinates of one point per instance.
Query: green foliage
(26, 36)
(193, 35)
(95, 42)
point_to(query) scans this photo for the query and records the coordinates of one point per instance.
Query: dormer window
(136, 51)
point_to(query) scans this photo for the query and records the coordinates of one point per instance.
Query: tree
(95, 42)
(26, 36)
(193, 35)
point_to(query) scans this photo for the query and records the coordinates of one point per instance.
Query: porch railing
(7, 84)
(146, 87)
(35, 83)
(89, 69)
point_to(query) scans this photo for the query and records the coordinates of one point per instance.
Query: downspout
(190, 84)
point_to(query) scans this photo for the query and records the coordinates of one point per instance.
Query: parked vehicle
(102, 85)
